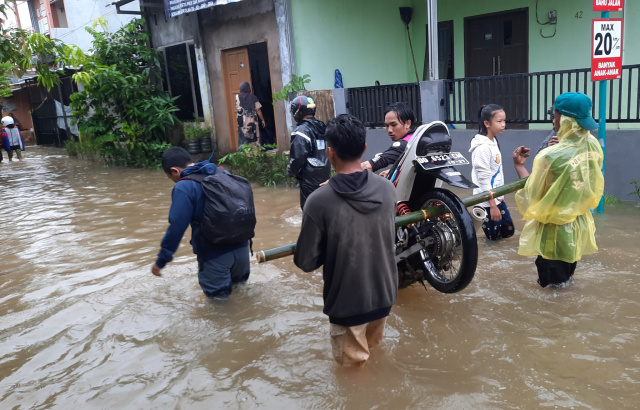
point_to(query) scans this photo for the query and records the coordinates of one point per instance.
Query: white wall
(82, 13)
(11, 20)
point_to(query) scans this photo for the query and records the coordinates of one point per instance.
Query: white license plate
(449, 159)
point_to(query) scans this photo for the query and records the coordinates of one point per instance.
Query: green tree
(21, 51)
(5, 89)
(122, 103)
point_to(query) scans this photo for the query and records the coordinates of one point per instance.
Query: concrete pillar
(287, 50)
(340, 101)
(205, 90)
(432, 101)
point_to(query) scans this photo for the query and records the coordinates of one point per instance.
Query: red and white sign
(607, 5)
(606, 49)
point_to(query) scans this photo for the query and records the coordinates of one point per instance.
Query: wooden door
(235, 69)
(497, 45)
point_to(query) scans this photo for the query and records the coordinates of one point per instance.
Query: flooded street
(84, 323)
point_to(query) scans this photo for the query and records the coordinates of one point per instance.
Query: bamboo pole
(413, 217)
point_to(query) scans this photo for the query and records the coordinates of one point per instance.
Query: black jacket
(308, 162)
(391, 155)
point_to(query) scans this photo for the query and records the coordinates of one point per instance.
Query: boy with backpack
(219, 207)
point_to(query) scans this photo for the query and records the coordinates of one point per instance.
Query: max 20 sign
(606, 49)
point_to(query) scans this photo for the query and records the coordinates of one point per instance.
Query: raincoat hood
(479, 140)
(204, 167)
(357, 192)
(571, 132)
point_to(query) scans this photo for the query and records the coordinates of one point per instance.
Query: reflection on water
(83, 322)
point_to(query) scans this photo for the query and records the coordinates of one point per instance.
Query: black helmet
(301, 106)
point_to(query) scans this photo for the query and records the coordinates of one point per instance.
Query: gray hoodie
(348, 226)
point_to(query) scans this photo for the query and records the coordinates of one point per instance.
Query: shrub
(122, 106)
(611, 199)
(88, 150)
(267, 168)
(115, 153)
(195, 130)
(636, 190)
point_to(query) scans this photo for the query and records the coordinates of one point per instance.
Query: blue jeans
(217, 275)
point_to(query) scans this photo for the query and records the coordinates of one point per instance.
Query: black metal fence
(370, 103)
(527, 97)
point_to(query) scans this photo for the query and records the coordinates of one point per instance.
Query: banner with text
(606, 49)
(173, 8)
(608, 5)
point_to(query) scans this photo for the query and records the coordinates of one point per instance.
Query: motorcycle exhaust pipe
(479, 215)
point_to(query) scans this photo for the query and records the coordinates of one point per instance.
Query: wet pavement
(84, 323)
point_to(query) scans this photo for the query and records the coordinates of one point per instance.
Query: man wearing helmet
(11, 139)
(308, 162)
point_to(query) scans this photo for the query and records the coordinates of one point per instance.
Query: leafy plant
(296, 84)
(196, 130)
(611, 199)
(636, 186)
(21, 51)
(123, 106)
(115, 153)
(84, 149)
(267, 168)
(5, 70)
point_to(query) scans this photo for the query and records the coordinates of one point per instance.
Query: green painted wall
(367, 41)
(569, 48)
(364, 39)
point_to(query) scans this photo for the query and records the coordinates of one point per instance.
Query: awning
(173, 8)
(121, 3)
(18, 83)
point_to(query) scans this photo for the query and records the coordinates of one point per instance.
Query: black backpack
(229, 214)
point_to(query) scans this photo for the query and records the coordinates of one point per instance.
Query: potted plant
(192, 134)
(205, 138)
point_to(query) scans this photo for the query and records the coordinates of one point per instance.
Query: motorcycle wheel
(454, 256)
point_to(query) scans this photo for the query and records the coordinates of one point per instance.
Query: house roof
(17, 83)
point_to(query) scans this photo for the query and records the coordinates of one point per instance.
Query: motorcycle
(440, 249)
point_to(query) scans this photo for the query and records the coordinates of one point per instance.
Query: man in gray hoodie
(348, 227)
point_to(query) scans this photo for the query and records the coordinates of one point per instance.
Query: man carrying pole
(348, 228)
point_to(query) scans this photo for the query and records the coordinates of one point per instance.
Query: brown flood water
(84, 324)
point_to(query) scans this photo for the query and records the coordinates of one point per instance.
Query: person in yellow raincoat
(566, 182)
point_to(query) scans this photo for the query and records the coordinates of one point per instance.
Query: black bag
(229, 213)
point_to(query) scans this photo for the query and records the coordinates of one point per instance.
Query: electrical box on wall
(553, 17)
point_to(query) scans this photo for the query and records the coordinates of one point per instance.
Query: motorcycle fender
(451, 176)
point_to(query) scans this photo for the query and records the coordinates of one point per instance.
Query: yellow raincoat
(566, 182)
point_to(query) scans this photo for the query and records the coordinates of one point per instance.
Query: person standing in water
(488, 173)
(220, 266)
(11, 139)
(348, 228)
(566, 182)
(308, 162)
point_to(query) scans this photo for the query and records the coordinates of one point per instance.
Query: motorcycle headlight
(435, 139)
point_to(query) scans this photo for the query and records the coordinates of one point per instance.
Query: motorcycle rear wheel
(454, 257)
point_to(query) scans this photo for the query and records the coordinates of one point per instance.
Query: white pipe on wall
(432, 10)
